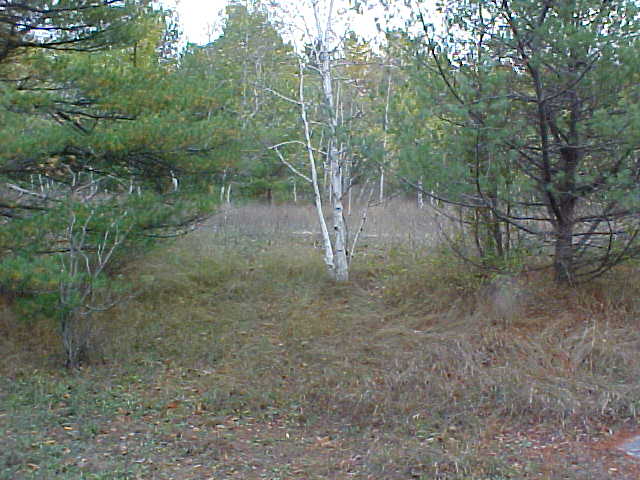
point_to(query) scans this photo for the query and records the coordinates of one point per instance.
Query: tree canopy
(540, 99)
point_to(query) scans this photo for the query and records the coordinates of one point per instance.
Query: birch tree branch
(297, 142)
(291, 167)
(363, 220)
(280, 95)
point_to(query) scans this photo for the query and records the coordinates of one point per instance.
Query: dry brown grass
(396, 222)
(418, 368)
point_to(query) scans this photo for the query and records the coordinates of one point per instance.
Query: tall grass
(418, 361)
(411, 337)
(396, 222)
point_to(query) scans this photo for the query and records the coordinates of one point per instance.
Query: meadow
(236, 357)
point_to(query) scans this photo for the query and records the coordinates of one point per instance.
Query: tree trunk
(563, 255)
(76, 337)
(563, 261)
(341, 262)
(385, 129)
(317, 196)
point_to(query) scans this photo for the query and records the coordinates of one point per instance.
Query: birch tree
(322, 53)
(321, 50)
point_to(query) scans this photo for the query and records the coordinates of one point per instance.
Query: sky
(202, 19)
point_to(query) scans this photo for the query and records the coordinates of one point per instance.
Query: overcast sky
(203, 18)
(198, 17)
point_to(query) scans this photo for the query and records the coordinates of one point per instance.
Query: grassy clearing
(239, 359)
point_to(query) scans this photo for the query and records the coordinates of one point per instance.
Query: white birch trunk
(335, 247)
(174, 182)
(222, 189)
(420, 195)
(385, 128)
(317, 196)
(341, 261)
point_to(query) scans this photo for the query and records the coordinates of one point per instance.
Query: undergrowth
(418, 364)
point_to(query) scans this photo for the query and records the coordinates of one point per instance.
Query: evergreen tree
(541, 97)
(247, 60)
(99, 155)
(65, 25)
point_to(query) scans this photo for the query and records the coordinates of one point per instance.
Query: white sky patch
(202, 20)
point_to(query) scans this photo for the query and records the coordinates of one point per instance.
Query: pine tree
(541, 97)
(248, 59)
(100, 155)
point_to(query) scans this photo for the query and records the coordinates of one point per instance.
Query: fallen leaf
(324, 442)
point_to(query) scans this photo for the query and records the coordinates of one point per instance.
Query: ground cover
(237, 358)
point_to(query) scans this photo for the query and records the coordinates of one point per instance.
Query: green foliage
(248, 58)
(523, 113)
(102, 155)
